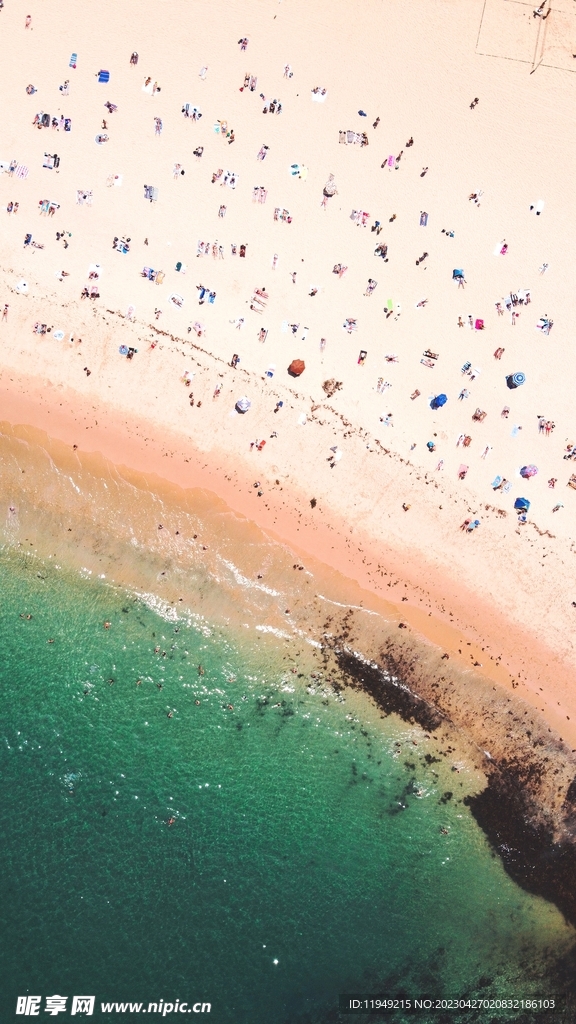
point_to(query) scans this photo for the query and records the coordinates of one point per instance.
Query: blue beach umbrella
(514, 380)
(438, 401)
(522, 504)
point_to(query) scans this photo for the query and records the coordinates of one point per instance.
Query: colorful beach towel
(73, 62)
(21, 171)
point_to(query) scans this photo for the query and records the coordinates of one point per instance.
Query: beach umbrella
(514, 380)
(456, 274)
(123, 350)
(22, 287)
(243, 404)
(330, 189)
(297, 366)
(522, 504)
(528, 471)
(438, 401)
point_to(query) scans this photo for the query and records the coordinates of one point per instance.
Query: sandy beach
(359, 470)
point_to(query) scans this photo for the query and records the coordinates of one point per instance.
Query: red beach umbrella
(297, 366)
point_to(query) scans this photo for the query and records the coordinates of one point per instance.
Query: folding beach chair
(104, 76)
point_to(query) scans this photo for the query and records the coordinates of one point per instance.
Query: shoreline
(477, 635)
(528, 808)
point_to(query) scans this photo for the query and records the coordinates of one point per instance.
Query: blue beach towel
(103, 76)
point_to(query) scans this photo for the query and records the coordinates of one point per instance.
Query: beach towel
(391, 160)
(73, 62)
(103, 76)
(390, 305)
(58, 335)
(496, 482)
(423, 219)
(539, 207)
(21, 171)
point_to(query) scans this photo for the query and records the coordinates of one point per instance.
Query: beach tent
(522, 504)
(243, 404)
(297, 367)
(438, 401)
(103, 76)
(514, 380)
(527, 471)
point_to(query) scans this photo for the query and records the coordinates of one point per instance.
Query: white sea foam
(339, 604)
(245, 582)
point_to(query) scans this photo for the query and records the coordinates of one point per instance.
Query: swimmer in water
(107, 625)
(200, 670)
(171, 821)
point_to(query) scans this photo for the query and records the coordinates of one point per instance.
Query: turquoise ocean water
(191, 812)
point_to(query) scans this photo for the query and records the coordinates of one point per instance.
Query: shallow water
(243, 833)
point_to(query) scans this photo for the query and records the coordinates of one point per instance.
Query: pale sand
(508, 590)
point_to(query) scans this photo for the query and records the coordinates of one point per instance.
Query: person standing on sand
(28, 21)
(5, 311)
